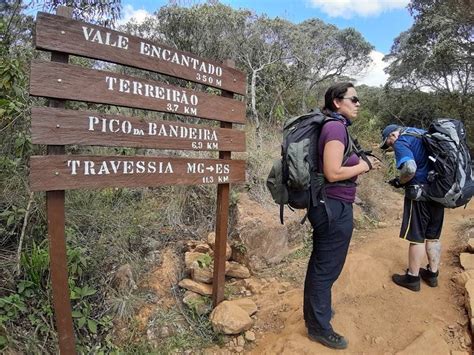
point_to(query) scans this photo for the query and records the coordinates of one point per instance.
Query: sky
(379, 21)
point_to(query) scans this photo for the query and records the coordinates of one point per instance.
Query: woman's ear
(337, 103)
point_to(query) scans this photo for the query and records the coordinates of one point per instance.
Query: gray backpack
(297, 179)
(450, 179)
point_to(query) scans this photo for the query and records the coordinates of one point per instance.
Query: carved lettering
(155, 91)
(125, 167)
(184, 60)
(107, 38)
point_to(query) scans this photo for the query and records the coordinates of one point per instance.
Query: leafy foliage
(435, 54)
(105, 13)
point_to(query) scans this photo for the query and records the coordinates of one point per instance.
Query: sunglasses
(354, 99)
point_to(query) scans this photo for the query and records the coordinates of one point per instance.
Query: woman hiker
(332, 217)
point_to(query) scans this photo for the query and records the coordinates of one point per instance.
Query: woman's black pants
(330, 245)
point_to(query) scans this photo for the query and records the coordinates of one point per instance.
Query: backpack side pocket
(275, 183)
(298, 165)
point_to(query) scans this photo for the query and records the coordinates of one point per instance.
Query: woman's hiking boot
(408, 281)
(331, 340)
(430, 277)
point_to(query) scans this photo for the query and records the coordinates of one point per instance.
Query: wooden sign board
(56, 127)
(62, 172)
(60, 34)
(59, 127)
(62, 81)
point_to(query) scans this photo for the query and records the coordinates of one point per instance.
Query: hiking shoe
(430, 277)
(408, 281)
(331, 340)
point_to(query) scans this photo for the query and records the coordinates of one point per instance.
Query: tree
(209, 30)
(323, 52)
(435, 55)
(436, 52)
(104, 13)
(267, 43)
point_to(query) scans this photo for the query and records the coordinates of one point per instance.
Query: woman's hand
(364, 166)
(376, 164)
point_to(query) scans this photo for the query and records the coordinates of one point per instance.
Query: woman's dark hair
(335, 91)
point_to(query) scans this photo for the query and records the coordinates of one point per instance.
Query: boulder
(189, 245)
(198, 287)
(260, 231)
(462, 278)
(211, 240)
(470, 297)
(201, 274)
(467, 261)
(239, 254)
(470, 245)
(246, 304)
(190, 257)
(228, 318)
(233, 269)
(196, 302)
(203, 248)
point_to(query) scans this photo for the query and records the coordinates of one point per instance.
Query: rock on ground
(228, 318)
(265, 239)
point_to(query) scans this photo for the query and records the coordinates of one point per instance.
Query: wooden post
(57, 240)
(222, 218)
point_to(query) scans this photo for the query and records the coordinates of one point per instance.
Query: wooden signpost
(56, 127)
(59, 126)
(62, 81)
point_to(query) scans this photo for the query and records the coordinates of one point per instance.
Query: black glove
(395, 182)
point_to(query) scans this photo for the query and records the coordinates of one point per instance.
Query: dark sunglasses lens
(355, 99)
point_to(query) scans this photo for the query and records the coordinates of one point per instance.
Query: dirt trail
(375, 315)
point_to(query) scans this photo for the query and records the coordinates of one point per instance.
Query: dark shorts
(421, 221)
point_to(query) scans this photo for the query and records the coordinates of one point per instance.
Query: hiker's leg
(330, 243)
(414, 224)
(416, 254)
(433, 250)
(310, 272)
(433, 233)
(412, 230)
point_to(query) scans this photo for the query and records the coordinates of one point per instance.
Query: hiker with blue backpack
(330, 210)
(435, 171)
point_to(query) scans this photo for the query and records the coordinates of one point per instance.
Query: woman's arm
(332, 166)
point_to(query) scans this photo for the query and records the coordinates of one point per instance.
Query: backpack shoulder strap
(350, 148)
(405, 132)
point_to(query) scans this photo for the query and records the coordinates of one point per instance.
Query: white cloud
(351, 8)
(129, 13)
(374, 74)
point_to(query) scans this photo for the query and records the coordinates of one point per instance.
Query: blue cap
(386, 132)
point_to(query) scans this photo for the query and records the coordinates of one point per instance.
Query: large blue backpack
(451, 179)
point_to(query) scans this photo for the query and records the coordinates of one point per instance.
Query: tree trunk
(253, 103)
